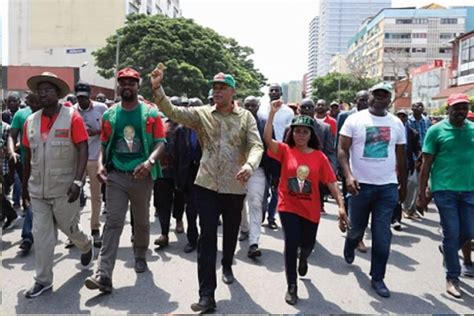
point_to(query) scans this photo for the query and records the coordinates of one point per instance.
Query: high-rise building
(397, 40)
(65, 33)
(312, 54)
(339, 20)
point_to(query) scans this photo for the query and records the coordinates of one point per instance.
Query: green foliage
(327, 87)
(191, 53)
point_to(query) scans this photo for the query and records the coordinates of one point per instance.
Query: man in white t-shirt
(372, 153)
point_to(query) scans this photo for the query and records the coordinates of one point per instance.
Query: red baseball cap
(128, 73)
(457, 98)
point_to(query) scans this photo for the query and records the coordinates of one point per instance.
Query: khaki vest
(53, 162)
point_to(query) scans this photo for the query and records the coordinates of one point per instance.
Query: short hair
(312, 143)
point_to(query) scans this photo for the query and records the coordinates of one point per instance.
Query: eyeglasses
(46, 91)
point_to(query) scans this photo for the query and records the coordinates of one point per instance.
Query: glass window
(403, 21)
(449, 21)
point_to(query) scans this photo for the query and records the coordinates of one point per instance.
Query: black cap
(82, 89)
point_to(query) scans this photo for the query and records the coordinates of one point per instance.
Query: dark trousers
(397, 214)
(178, 204)
(299, 233)
(163, 197)
(191, 212)
(7, 209)
(210, 205)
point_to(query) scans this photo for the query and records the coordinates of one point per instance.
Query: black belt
(122, 171)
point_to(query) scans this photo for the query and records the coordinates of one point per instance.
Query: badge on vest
(61, 133)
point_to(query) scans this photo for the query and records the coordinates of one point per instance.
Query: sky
(277, 30)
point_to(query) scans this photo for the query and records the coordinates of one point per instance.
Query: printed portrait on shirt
(300, 184)
(129, 143)
(377, 139)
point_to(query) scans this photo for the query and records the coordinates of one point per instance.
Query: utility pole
(117, 56)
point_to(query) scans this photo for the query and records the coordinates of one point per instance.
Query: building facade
(428, 81)
(338, 64)
(312, 54)
(339, 20)
(397, 40)
(65, 33)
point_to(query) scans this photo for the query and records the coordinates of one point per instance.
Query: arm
(101, 170)
(11, 146)
(26, 177)
(401, 170)
(74, 190)
(345, 144)
(344, 223)
(272, 144)
(427, 162)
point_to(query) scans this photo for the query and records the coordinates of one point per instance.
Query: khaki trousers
(122, 188)
(95, 188)
(49, 215)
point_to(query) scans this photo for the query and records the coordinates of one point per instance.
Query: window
(418, 50)
(420, 21)
(447, 35)
(132, 8)
(397, 35)
(449, 21)
(403, 21)
(418, 35)
(445, 50)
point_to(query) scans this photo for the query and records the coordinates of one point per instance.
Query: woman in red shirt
(303, 168)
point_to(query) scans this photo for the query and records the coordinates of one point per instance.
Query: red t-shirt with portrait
(301, 174)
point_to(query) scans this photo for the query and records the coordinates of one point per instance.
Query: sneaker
(179, 227)
(37, 290)
(86, 258)
(467, 269)
(291, 296)
(452, 288)
(243, 235)
(26, 245)
(397, 226)
(140, 265)
(10, 223)
(380, 288)
(254, 252)
(96, 238)
(100, 283)
(205, 304)
(272, 225)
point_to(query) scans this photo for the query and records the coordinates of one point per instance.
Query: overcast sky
(277, 30)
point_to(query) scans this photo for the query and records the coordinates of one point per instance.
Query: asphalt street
(415, 276)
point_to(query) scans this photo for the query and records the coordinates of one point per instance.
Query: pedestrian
(16, 134)
(335, 109)
(55, 142)
(303, 168)
(323, 116)
(372, 154)
(13, 103)
(419, 121)
(447, 161)
(132, 139)
(232, 150)
(9, 215)
(92, 112)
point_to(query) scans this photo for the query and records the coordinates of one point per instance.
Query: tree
(327, 87)
(192, 54)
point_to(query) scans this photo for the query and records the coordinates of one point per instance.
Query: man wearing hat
(132, 139)
(91, 112)
(232, 150)
(372, 155)
(447, 161)
(55, 141)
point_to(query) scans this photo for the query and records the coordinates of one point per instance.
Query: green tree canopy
(327, 87)
(192, 54)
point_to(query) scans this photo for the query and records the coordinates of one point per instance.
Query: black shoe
(37, 290)
(100, 283)
(227, 275)
(140, 265)
(162, 241)
(26, 245)
(349, 254)
(86, 258)
(205, 304)
(10, 223)
(243, 235)
(291, 296)
(96, 238)
(272, 225)
(303, 265)
(189, 248)
(69, 244)
(380, 288)
(254, 251)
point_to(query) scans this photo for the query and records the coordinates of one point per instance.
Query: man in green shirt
(231, 151)
(448, 152)
(16, 130)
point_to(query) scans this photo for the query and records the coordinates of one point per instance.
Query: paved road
(414, 275)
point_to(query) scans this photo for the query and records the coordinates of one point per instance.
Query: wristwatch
(78, 183)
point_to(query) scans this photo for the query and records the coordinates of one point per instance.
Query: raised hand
(156, 76)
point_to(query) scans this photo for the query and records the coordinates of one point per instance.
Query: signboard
(75, 50)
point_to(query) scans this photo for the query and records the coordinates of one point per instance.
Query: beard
(128, 95)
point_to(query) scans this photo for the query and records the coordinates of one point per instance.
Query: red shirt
(301, 195)
(332, 123)
(78, 128)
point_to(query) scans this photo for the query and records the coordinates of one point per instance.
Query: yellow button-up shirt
(228, 141)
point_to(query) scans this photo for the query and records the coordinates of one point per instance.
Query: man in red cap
(132, 139)
(447, 160)
(232, 150)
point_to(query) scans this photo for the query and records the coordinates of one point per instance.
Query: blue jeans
(26, 233)
(380, 201)
(456, 212)
(17, 190)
